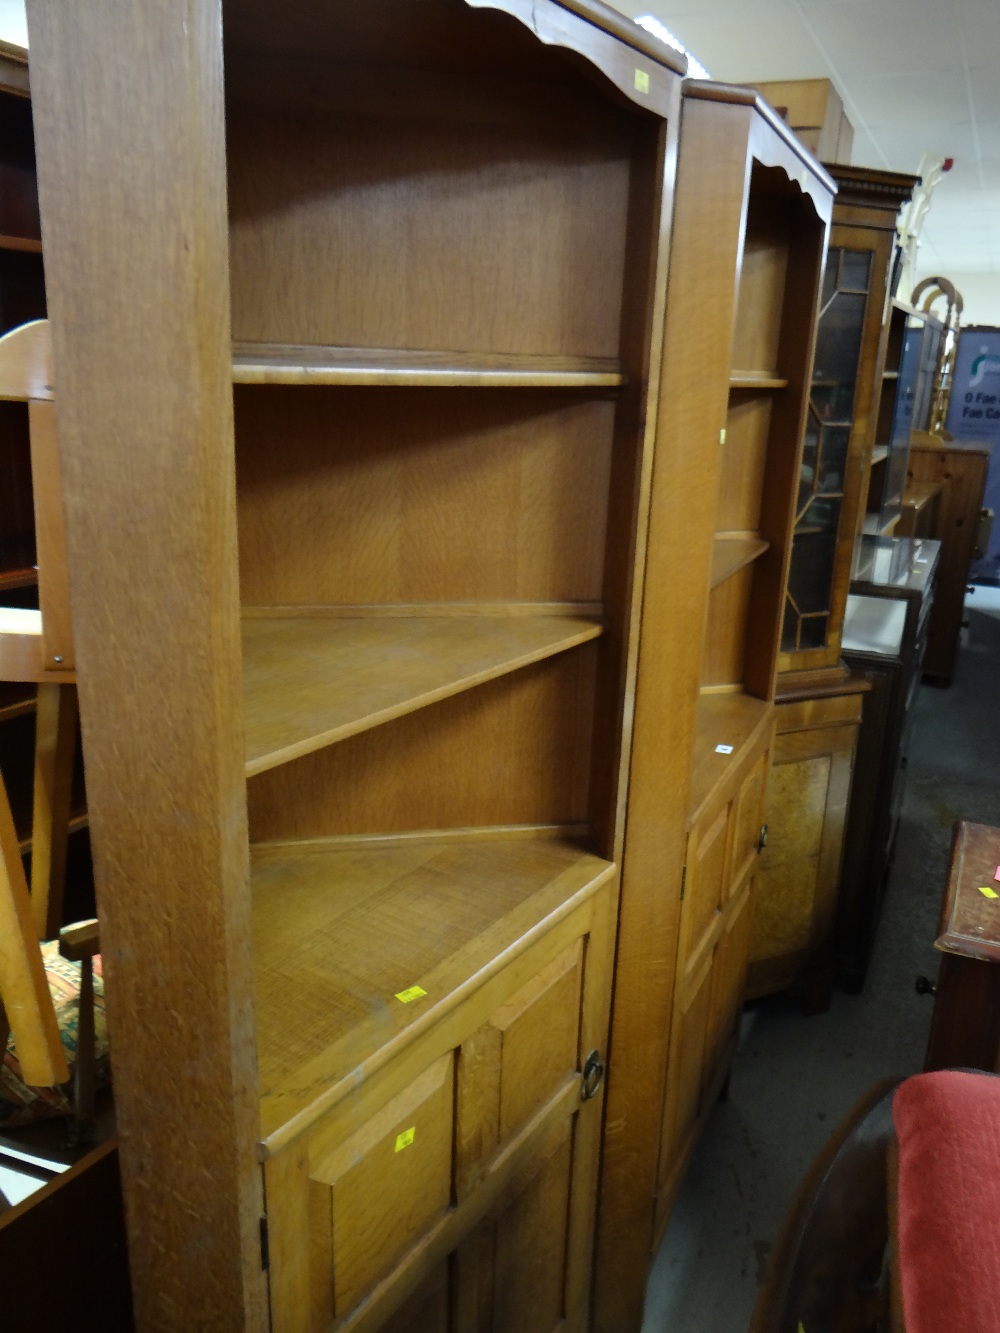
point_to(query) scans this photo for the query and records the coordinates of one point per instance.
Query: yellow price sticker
(641, 81)
(411, 993)
(406, 1138)
(987, 892)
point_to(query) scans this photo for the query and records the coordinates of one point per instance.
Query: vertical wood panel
(681, 520)
(129, 129)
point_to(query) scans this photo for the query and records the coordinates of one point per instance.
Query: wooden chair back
(37, 645)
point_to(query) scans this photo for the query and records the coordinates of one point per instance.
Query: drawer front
(365, 1208)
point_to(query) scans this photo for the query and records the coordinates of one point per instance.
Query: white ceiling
(915, 76)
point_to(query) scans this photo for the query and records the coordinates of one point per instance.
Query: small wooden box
(815, 112)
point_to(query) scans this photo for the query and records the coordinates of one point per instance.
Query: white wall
(981, 294)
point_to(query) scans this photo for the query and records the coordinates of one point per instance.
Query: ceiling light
(696, 69)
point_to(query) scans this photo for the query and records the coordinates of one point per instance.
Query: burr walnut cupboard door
(459, 1197)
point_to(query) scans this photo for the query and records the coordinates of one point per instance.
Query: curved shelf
(756, 379)
(732, 551)
(278, 363)
(312, 680)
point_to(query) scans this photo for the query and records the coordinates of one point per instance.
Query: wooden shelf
(18, 578)
(269, 363)
(310, 680)
(880, 453)
(731, 718)
(26, 244)
(342, 926)
(732, 551)
(756, 379)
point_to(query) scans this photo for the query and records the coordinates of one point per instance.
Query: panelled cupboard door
(799, 876)
(723, 848)
(463, 1203)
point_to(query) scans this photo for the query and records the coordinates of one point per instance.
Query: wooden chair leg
(55, 743)
(22, 972)
(85, 1074)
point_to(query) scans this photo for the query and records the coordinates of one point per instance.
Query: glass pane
(813, 633)
(814, 548)
(822, 515)
(789, 628)
(855, 267)
(810, 454)
(832, 458)
(830, 276)
(838, 347)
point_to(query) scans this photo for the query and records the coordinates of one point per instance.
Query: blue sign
(974, 418)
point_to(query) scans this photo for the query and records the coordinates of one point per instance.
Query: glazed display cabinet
(819, 701)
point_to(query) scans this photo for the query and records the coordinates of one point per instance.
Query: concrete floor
(796, 1077)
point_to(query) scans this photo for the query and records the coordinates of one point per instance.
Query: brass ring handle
(593, 1076)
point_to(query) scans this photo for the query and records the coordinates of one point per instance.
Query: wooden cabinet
(955, 478)
(795, 903)
(471, 1158)
(841, 423)
(913, 340)
(814, 110)
(818, 703)
(965, 1029)
(749, 237)
(713, 947)
(357, 451)
(885, 637)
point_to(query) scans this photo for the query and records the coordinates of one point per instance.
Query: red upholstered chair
(945, 1202)
(897, 1223)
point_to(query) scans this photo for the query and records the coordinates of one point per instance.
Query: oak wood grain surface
(145, 442)
(360, 495)
(310, 682)
(339, 930)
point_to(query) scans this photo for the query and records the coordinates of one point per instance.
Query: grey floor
(795, 1077)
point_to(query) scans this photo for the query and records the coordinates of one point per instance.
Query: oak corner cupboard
(819, 700)
(357, 390)
(749, 238)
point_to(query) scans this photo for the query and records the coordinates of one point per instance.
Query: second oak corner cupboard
(749, 239)
(356, 314)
